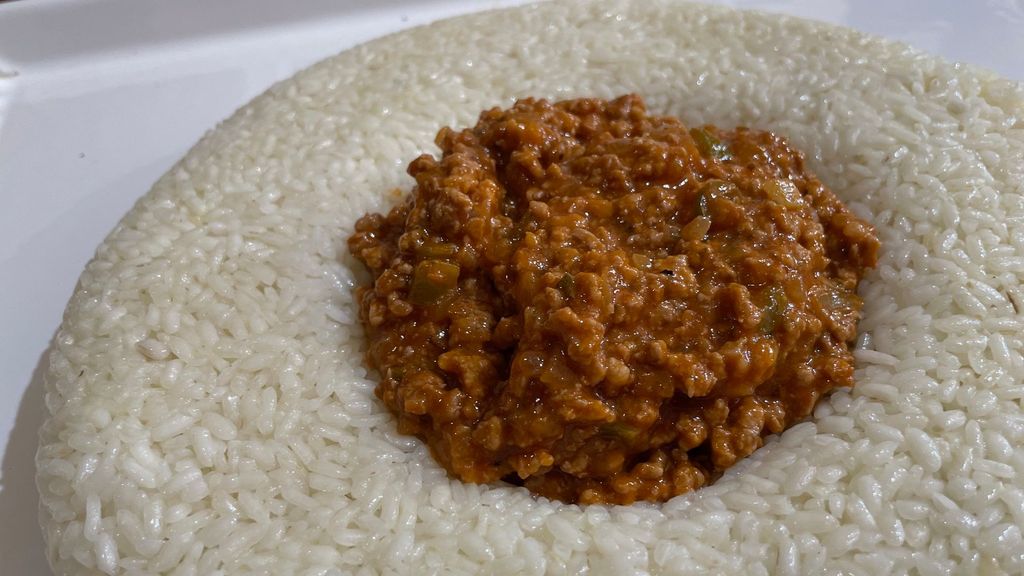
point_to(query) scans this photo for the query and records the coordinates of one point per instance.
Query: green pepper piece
(621, 431)
(710, 146)
(435, 250)
(431, 281)
(777, 303)
(567, 284)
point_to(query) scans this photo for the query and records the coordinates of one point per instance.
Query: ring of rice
(208, 408)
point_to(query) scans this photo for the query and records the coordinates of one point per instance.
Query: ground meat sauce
(605, 306)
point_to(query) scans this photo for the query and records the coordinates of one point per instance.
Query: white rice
(209, 412)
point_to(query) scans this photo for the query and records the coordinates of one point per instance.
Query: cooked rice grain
(209, 412)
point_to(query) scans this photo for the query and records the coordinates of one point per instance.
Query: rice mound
(208, 408)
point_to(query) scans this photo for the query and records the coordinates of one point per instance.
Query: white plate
(99, 98)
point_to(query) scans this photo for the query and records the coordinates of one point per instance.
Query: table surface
(98, 98)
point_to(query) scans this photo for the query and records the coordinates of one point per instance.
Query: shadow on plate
(22, 550)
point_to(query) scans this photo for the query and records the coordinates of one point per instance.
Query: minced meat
(605, 306)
